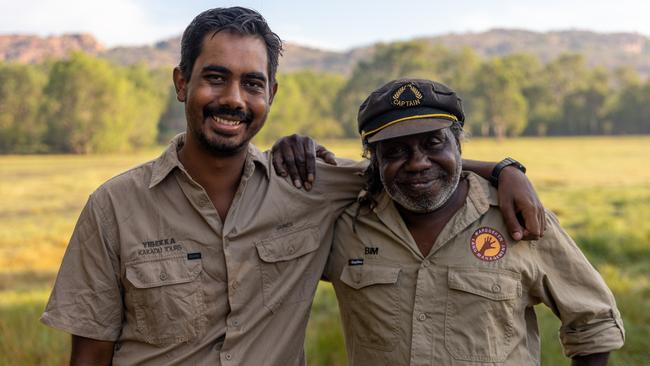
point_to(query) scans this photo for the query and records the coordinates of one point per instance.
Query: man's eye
(395, 152)
(254, 84)
(215, 79)
(435, 142)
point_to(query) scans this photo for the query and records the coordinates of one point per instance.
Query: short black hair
(237, 20)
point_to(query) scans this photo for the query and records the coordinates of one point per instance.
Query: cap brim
(410, 127)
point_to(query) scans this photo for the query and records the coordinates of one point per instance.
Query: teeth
(226, 121)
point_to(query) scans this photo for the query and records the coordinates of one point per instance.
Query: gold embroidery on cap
(407, 103)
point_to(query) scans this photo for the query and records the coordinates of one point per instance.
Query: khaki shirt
(151, 266)
(470, 301)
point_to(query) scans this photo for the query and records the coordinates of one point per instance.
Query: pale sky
(330, 24)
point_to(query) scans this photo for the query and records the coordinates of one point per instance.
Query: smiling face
(420, 172)
(229, 94)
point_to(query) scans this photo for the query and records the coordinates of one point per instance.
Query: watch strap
(494, 177)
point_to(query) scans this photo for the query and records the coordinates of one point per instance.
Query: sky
(331, 24)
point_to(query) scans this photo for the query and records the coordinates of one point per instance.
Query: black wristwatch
(494, 177)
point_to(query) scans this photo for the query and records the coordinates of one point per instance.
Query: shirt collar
(168, 160)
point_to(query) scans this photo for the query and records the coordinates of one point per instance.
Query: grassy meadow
(599, 188)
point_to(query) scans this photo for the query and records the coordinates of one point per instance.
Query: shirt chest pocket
(167, 300)
(369, 300)
(289, 267)
(481, 323)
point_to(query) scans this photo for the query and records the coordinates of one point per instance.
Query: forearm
(596, 359)
(91, 352)
(482, 168)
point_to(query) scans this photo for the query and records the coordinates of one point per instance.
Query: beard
(426, 201)
(217, 147)
(221, 146)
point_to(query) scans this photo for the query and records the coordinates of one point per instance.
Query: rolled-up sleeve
(577, 294)
(86, 299)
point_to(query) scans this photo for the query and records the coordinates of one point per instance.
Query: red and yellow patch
(488, 244)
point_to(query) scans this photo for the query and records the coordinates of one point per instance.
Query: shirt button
(422, 317)
(235, 323)
(228, 356)
(163, 276)
(496, 288)
(291, 249)
(234, 285)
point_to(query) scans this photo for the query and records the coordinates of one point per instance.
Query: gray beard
(425, 202)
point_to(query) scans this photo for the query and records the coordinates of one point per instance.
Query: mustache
(220, 111)
(421, 177)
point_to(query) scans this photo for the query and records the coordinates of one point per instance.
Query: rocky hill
(34, 49)
(611, 50)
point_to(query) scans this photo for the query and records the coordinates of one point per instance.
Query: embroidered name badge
(371, 250)
(355, 262)
(488, 244)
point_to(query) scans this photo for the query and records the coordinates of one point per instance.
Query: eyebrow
(224, 70)
(216, 68)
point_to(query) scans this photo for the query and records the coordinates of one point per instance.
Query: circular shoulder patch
(488, 244)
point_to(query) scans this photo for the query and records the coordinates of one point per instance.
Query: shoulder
(128, 183)
(345, 170)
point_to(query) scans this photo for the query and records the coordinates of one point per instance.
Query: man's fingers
(290, 164)
(278, 162)
(326, 155)
(310, 162)
(510, 218)
(299, 153)
(532, 223)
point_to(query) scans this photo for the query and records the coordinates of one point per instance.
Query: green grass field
(599, 188)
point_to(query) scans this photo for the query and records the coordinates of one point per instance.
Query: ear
(180, 84)
(274, 89)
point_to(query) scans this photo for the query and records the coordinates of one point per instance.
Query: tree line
(85, 105)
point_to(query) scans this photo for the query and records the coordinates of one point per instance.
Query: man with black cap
(421, 265)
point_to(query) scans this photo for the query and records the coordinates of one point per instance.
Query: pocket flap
(288, 246)
(368, 274)
(161, 272)
(493, 284)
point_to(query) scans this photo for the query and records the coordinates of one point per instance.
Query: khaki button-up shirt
(152, 267)
(470, 300)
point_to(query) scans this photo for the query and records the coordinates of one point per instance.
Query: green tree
(584, 110)
(92, 105)
(631, 110)
(304, 104)
(145, 106)
(172, 120)
(21, 128)
(500, 105)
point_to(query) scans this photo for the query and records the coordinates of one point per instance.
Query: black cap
(407, 107)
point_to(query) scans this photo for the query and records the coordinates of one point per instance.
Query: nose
(418, 161)
(232, 96)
